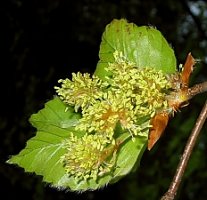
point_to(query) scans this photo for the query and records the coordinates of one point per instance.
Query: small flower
(150, 91)
(147, 87)
(88, 156)
(82, 91)
(103, 116)
(121, 65)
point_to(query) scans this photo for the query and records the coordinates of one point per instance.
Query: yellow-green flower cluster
(103, 116)
(81, 91)
(87, 157)
(130, 94)
(146, 87)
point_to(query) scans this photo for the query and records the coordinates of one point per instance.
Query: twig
(171, 193)
(197, 89)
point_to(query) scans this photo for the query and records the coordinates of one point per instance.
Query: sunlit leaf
(43, 152)
(142, 45)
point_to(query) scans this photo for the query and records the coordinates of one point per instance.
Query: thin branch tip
(172, 191)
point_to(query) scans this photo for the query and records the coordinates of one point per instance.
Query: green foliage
(145, 46)
(43, 152)
(71, 126)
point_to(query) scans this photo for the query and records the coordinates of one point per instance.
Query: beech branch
(197, 89)
(172, 191)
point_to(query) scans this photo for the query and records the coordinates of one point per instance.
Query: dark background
(43, 41)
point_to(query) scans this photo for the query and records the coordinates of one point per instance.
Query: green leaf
(143, 45)
(129, 155)
(43, 152)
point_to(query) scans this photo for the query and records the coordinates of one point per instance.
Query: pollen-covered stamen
(82, 91)
(146, 87)
(121, 65)
(103, 116)
(88, 156)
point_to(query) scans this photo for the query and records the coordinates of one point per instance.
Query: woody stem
(171, 193)
(197, 89)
